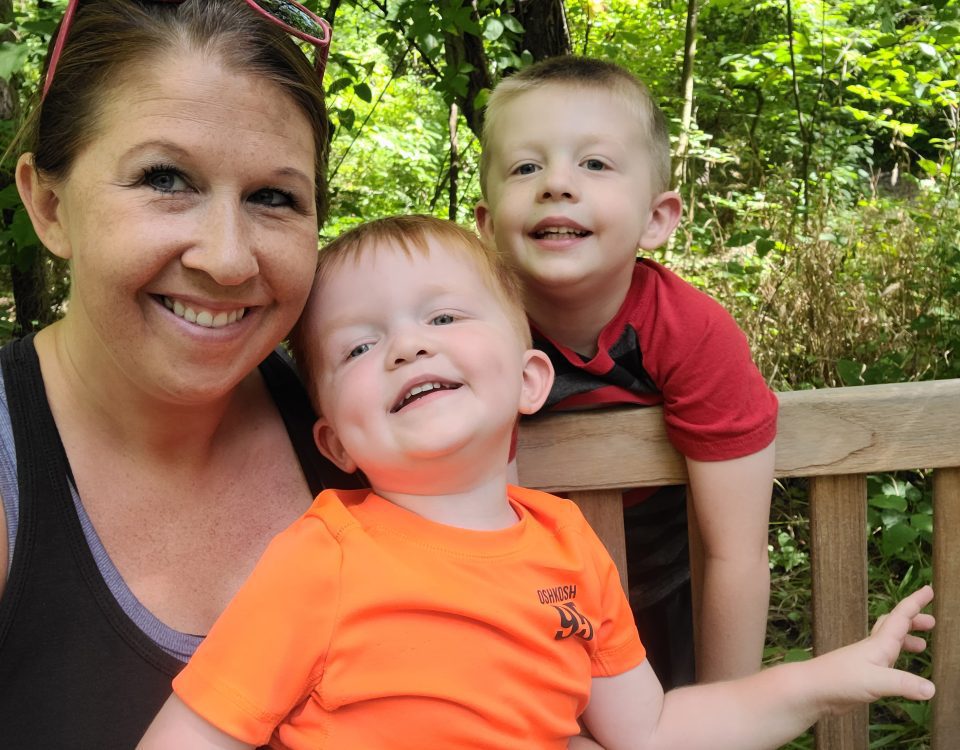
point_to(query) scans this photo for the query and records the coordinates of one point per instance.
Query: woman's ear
(330, 446)
(43, 207)
(537, 381)
(662, 219)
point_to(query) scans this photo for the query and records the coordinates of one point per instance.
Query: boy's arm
(766, 709)
(176, 726)
(729, 517)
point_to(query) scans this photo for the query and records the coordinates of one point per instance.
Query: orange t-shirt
(366, 626)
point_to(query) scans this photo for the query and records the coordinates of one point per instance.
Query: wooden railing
(833, 436)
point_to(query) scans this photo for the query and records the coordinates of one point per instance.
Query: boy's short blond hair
(587, 73)
(408, 234)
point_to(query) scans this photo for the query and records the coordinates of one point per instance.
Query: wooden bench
(833, 436)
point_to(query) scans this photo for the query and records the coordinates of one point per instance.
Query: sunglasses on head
(289, 15)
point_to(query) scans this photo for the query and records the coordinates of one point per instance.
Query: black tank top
(75, 671)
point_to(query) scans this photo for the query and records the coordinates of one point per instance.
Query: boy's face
(417, 360)
(569, 189)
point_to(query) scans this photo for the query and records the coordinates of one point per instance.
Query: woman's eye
(443, 319)
(358, 350)
(165, 180)
(595, 165)
(272, 197)
(524, 169)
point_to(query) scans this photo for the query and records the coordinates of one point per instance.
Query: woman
(177, 161)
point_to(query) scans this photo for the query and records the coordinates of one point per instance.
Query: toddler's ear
(664, 215)
(484, 218)
(330, 446)
(537, 381)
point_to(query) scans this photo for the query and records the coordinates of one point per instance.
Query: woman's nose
(224, 249)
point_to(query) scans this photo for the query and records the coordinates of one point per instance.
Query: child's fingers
(906, 615)
(914, 644)
(878, 624)
(923, 622)
(899, 683)
(918, 599)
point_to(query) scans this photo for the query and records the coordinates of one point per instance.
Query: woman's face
(191, 229)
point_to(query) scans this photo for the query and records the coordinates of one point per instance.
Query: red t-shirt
(671, 344)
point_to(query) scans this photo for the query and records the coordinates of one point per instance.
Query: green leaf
(741, 238)
(431, 43)
(42, 27)
(480, 100)
(363, 92)
(339, 85)
(922, 522)
(796, 654)
(908, 129)
(12, 57)
(9, 196)
(897, 537)
(930, 167)
(894, 488)
(849, 371)
(863, 92)
(492, 28)
(346, 118)
(919, 712)
(22, 230)
(512, 24)
(947, 35)
(888, 502)
(765, 245)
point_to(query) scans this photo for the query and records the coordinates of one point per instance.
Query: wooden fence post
(946, 607)
(838, 536)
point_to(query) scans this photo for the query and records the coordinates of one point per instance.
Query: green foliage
(20, 59)
(899, 550)
(821, 189)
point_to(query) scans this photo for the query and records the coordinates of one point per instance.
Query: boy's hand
(864, 671)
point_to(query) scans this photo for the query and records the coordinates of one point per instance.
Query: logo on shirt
(572, 621)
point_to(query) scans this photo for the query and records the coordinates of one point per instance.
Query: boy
(443, 609)
(575, 173)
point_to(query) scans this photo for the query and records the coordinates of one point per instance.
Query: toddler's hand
(864, 671)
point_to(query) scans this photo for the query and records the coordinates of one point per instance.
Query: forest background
(815, 149)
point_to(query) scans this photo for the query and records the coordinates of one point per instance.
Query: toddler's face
(417, 360)
(568, 188)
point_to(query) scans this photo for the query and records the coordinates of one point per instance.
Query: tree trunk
(686, 84)
(30, 296)
(545, 35)
(466, 48)
(454, 165)
(545, 31)
(805, 140)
